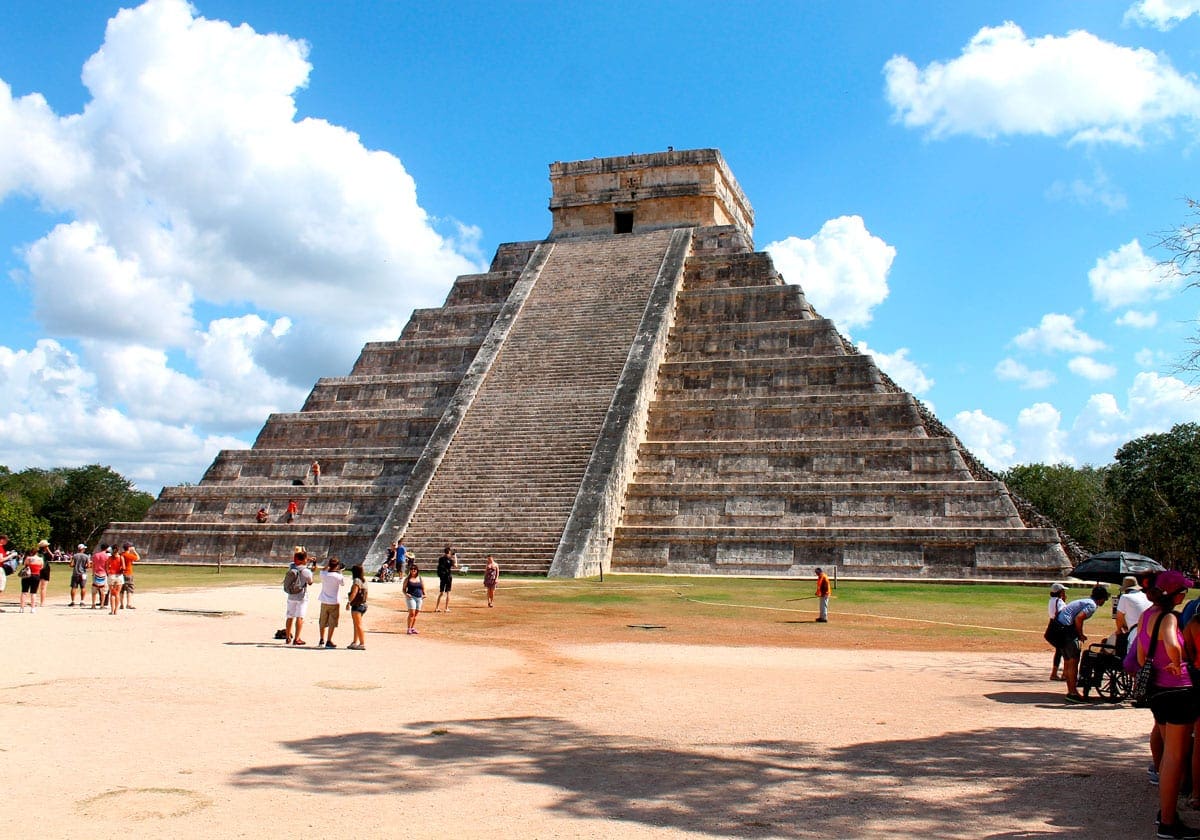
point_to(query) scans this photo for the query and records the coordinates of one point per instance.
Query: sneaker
(415, 632)
(1152, 772)
(1178, 830)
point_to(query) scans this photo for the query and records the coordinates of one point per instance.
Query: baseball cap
(80, 547)
(1172, 581)
(1057, 588)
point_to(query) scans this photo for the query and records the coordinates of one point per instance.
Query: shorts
(128, 584)
(445, 583)
(44, 574)
(29, 585)
(413, 603)
(1069, 646)
(78, 580)
(1178, 706)
(329, 616)
(296, 607)
(360, 609)
(117, 580)
(100, 582)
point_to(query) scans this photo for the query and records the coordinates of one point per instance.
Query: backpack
(293, 583)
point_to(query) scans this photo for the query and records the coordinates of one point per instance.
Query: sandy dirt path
(157, 723)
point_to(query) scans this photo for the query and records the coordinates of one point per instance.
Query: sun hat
(44, 544)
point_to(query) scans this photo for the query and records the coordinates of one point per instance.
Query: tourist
(100, 577)
(1052, 634)
(1172, 700)
(1072, 638)
(330, 599)
(47, 556)
(130, 556)
(5, 568)
(315, 469)
(1130, 606)
(299, 577)
(447, 563)
(356, 602)
(414, 596)
(822, 596)
(401, 558)
(491, 574)
(31, 578)
(261, 516)
(80, 561)
(292, 511)
(116, 579)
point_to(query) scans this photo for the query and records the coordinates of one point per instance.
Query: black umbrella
(1113, 566)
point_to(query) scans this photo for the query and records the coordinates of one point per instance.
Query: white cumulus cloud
(1138, 320)
(843, 269)
(1089, 368)
(1128, 276)
(1040, 438)
(988, 439)
(213, 251)
(1057, 333)
(1010, 370)
(1162, 14)
(1076, 86)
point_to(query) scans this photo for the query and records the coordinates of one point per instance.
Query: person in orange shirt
(116, 579)
(822, 596)
(130, 556)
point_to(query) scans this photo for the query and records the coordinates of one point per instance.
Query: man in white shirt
(1130, 606)
(332, 582)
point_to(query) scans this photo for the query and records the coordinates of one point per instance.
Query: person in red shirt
(130, 556)
(292, 511)
(822, 596)
(116, 579)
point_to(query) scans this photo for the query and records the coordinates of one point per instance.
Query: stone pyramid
(639, 391)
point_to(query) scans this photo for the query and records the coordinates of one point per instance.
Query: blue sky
(204, 208)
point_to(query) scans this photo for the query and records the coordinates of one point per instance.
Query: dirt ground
(171, 721)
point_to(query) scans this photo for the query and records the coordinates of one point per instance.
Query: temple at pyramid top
(638, 193)
(638, 391)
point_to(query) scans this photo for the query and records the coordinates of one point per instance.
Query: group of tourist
(302, 574)
(110, 570)
(1151, 628)
(398, 561)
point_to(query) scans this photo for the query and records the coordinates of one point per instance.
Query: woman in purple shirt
(1172, 700)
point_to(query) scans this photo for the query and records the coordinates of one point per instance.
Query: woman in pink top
(31, 571)
(1172, 700)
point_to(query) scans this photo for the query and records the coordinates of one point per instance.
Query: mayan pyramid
(639, 391)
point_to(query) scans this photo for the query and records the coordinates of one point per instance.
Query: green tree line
(1147, 500)
(66, 505)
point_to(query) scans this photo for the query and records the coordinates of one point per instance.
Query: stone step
(820, 416)
(818, 504)
(742, 305)
(730, 270)
(768, 376)
(705, 341)
(794, 459)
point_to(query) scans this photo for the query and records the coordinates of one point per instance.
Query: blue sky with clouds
(205, 207)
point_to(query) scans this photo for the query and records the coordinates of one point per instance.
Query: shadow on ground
(953, 785)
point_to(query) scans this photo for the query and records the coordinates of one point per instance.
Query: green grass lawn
(903, 612)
